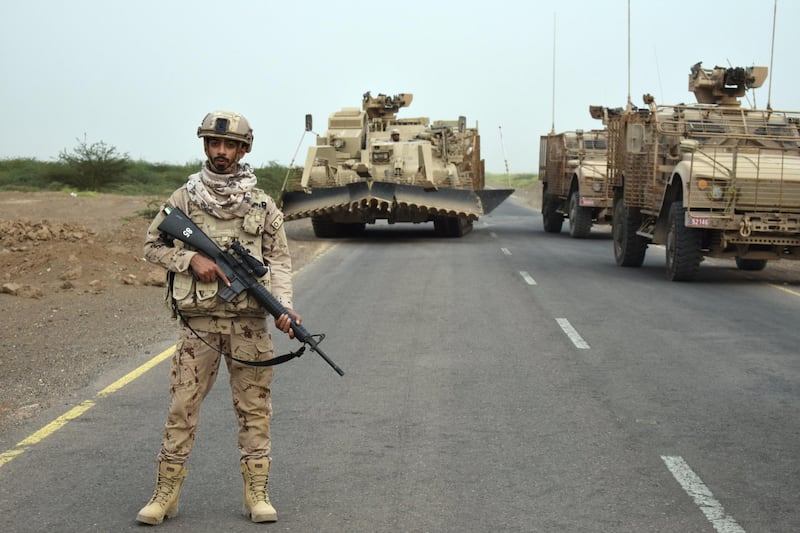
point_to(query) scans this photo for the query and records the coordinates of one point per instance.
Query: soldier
(223, 200)
(395, 135)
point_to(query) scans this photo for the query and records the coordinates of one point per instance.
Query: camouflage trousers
(194, 370)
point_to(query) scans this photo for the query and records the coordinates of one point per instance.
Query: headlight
(715, 189)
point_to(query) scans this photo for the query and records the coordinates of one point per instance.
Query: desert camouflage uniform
(238, 328)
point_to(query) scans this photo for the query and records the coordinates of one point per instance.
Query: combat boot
(257, 506)
(164, 502)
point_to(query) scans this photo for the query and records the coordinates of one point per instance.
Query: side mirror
(308, 122)
(462, 124)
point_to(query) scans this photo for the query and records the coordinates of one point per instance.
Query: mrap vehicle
(572, 169)
(711, 179)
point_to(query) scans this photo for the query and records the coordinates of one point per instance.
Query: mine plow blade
(298, 204)
(380, 197)
(383, 197)
(491, 198)
(445, 201)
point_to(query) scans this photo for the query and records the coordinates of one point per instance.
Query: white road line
(572, 334)
(506, 251)
(701, 495)
(527, 277)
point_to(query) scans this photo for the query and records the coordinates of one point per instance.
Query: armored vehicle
(711, 179)
(572, 168)
(372, 165)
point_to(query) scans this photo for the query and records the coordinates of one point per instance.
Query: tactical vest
(197, 298)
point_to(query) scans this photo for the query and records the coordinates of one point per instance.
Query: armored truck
(572, 169)
(711, 179)
(373, 165)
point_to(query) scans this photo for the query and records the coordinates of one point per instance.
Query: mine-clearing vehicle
(711, 179)
(357, 174)
(572, 169)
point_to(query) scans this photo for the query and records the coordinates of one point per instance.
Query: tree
(94, 165)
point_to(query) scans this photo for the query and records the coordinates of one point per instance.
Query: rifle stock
(242, 270)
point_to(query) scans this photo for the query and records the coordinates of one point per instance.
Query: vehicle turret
(724, 86)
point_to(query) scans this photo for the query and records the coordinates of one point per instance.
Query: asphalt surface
(512, 380)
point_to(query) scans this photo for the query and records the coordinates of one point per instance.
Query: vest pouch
(206, 293)
(192, 295)
(183, 289)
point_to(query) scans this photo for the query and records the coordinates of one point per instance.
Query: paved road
(512, 380)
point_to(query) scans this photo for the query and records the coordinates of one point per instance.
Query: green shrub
(138, 178)
(513, 181)
(94, 167)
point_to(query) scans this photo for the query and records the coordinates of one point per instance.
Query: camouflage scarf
(224, 196)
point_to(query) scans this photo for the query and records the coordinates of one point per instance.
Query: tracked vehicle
(357, 174)
(572, 168)
(711, 179)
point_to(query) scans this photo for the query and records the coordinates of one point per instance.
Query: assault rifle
(242, 270)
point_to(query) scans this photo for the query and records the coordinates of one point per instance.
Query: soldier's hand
(207, 270)
(284, 322)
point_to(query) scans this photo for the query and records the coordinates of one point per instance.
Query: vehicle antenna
(503, 148)
(771, 54)
(658, 72)
(553, 104)
(307, 129)
(629, 105)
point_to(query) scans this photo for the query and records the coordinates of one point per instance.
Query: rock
(71, 273)
(10, 288)
(156, 279)
(23, 291)
(96, 286)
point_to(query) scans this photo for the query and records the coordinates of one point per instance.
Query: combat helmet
(227, 125)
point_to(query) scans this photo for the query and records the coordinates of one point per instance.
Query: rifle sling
(269, 362)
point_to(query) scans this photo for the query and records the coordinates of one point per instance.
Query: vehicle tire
(684, 246)
(751, 264)
(463, 226)
(580, 218)
(551, 218)
(629, 248)
(325, 228)
(449, 226)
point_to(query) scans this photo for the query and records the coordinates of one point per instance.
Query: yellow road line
(784, 289)
(78, 410)
(124, 380)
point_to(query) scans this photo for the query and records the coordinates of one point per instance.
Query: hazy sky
(140, 75)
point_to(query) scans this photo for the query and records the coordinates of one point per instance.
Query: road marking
(702, 496)
(130, 376)
(506, 251)
(493, 234)
(527, 277)
(572, 334)
(784, 289)
(79, 410)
